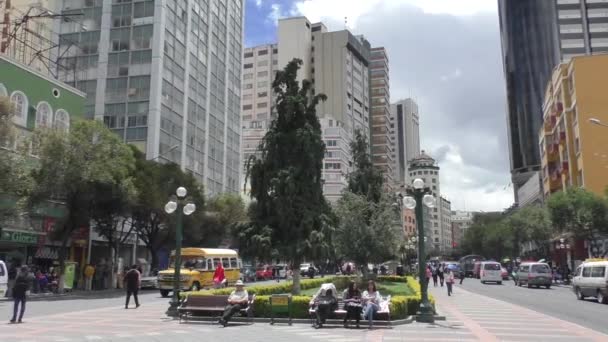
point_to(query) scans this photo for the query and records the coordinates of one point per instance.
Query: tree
(154, 184)
(71, 166)
(365, 179)
(290, 213)
(530, 224)
(366, 231)
(579, 212)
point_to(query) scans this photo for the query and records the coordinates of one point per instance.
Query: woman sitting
(371, 299)
(352, 303)
(325, 303)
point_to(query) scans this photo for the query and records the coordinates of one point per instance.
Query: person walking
(449, 282)
(219, 277)
(89, 271)
(440, 273)
(22, 286)
(238, 300)
(463, 274)
(434, 271)
(132, 281)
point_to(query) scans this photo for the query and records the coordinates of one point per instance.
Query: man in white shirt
(238, 300)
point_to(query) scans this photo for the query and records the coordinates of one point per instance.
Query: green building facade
(38, 101)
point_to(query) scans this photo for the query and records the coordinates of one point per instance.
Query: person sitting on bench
(237, 301)
(325, 302)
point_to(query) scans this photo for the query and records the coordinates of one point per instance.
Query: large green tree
(365, 179)
(530, 224)
(290, 212)
(70, 168)
(154, 184)
(580, 213)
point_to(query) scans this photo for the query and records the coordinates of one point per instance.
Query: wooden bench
(210, 303)
(340, 312)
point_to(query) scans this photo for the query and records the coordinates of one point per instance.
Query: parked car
(534, 274)
(504, 273)
(490, 271)
(248, 273)
(264, 273)
(3, 279)
(307, 269)
(281, 271)
(591, 280)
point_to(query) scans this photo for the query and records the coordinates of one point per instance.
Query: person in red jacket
(218, 276)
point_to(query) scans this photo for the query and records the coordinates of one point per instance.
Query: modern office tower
(426, 168)
(26, 33)
(381, 140)
(337, 63)
(530, 48)
(165, 76)
(405, 128)
(260, 65)
(582, 26)
(573, 148)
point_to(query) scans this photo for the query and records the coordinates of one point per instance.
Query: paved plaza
(470, 317)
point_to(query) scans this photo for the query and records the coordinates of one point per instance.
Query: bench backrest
(206, 300)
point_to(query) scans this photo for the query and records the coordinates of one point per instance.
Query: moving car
(248, 273)
(534, 274)
(306, 269)
(198, 266)
(263, 273)
(591, 280)
(3, 279)
(490, 271)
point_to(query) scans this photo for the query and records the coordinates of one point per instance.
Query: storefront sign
(19, 237)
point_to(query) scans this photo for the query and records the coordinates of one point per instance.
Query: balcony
(562, 138)
(565, 168)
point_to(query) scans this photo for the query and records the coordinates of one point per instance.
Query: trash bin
(280, 304)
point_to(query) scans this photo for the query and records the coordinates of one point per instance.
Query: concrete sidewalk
(490, 319)
(70, 294)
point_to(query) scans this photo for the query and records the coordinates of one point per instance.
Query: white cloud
(446, 54)
(258, 3)
(275, 14)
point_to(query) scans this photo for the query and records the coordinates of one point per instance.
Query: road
(558, 301)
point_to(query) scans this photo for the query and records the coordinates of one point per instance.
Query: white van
(490, 271)
(3, 279)
(591, 280)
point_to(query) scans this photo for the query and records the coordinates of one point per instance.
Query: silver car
(534, 274)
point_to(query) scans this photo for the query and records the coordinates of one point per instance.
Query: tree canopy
(365, 179)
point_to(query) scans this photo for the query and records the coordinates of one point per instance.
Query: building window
(248, 76)
(332, 143)
(143, 9)
(248, 66)
(20, 105)
(62, 121)
(247, 107)
(263, 94)
(262, 63)
(248, 86)
(142, 35)
(248, 54)
(262, 52)
(262, 73)
(577, 146)
(262, 84)
(43, 115)
(119, 39)
(263, 105)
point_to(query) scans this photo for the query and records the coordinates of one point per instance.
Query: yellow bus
(198, 266)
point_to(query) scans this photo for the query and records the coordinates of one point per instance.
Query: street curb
(282, 321)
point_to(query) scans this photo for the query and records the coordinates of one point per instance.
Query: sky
(446, 55)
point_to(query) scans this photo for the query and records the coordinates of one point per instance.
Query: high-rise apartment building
(260, 65)
(165, 76)
(337, 63)
(405, 130)
(536, 36)
(461, 221)
(573, 149)
(446, 224)
(26, 33)
(381, 141)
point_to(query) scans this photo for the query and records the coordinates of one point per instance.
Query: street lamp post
(182, 206)
(417, 195)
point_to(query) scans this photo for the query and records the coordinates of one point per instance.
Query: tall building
(530, 48)
(536, 36)
(405, 129)
(165, 76)
(381, 140)
(573, 150)
(425, 168)
(337, 63)
(446, 225)
(260, 65)
(461, 221)
(26, 33)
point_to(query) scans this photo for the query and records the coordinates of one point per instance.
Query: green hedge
(401, 306)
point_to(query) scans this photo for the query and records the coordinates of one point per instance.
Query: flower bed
(401, 306)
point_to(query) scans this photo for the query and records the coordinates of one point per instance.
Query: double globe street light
(417, 195)
(180, 204)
